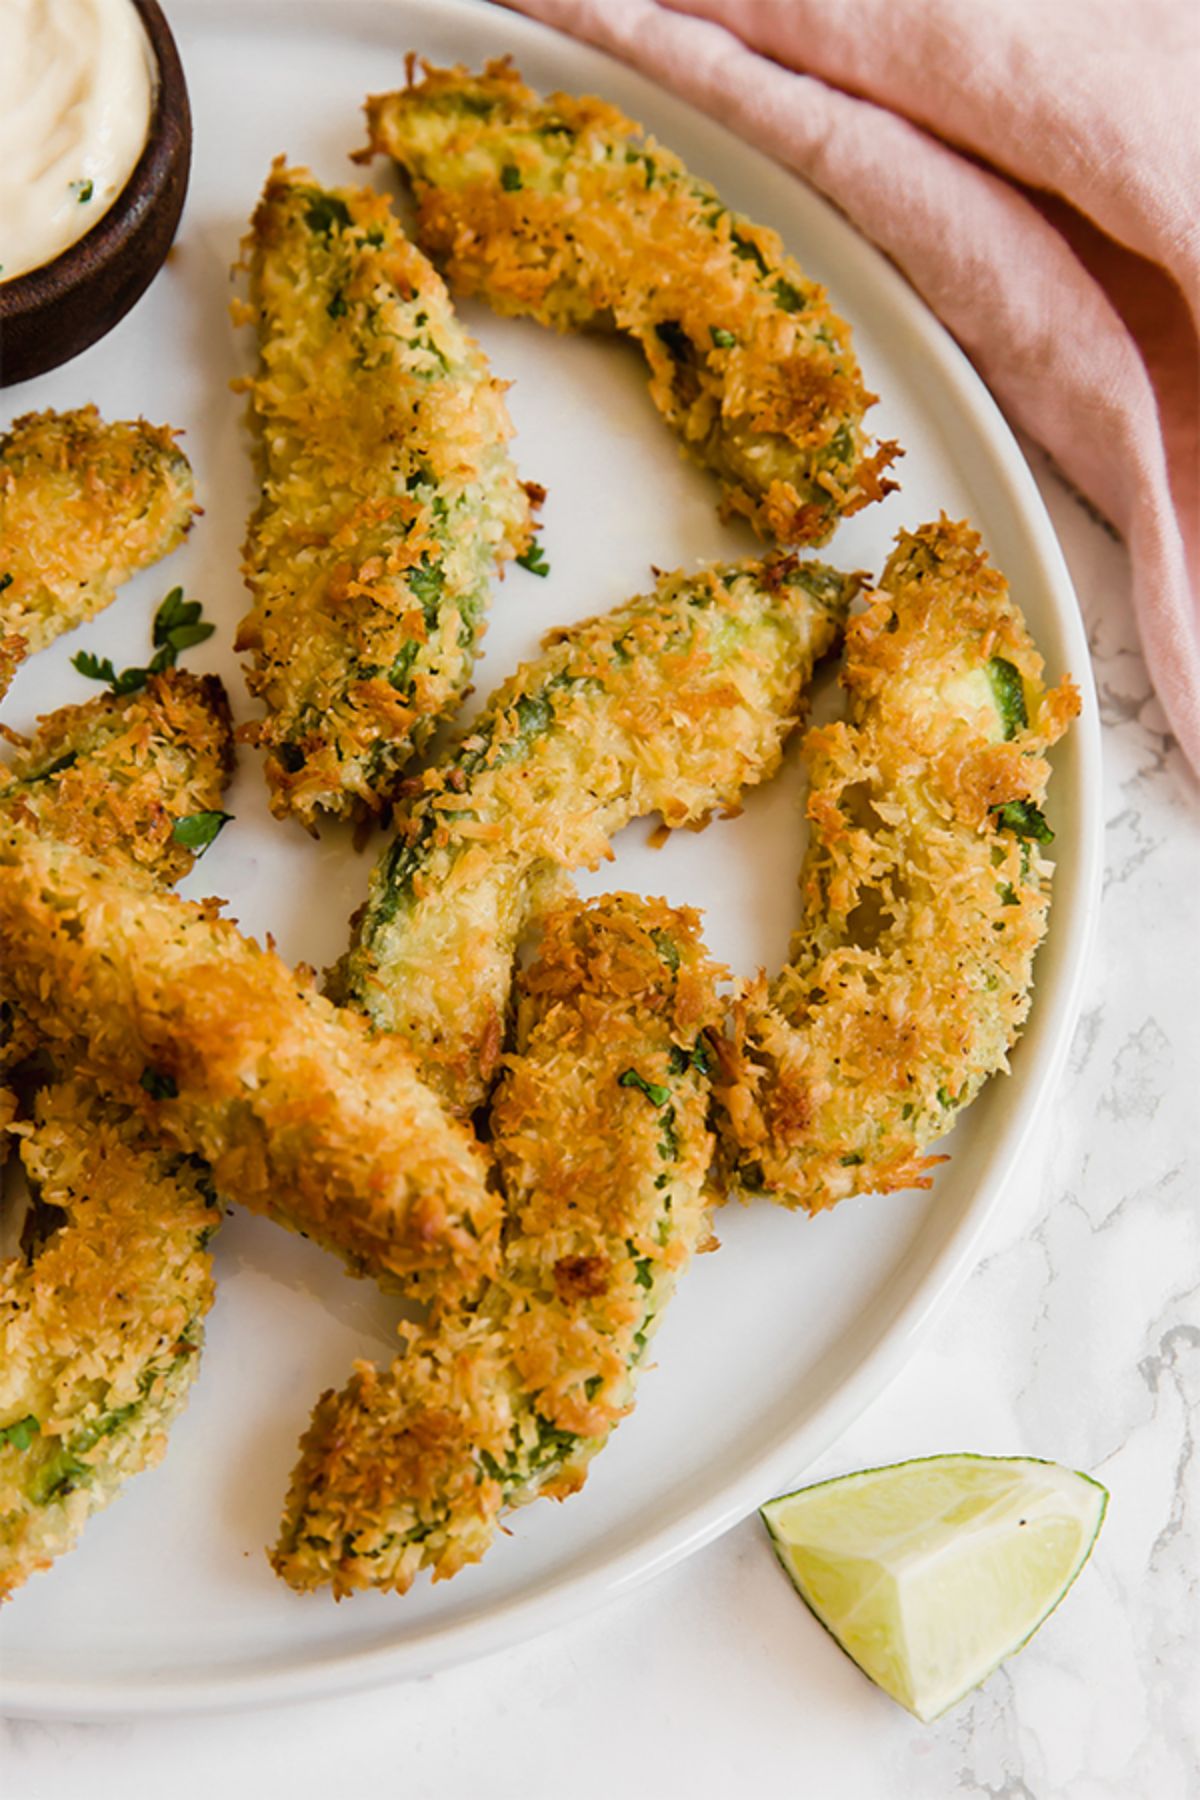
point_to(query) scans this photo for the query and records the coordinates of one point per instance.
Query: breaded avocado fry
(673, 703)
(228, 1054)
(565, 210)
(101, 1307)
(84, 505)
(925, 890)
(389, 497)
(601, 1140)
(100, 1319)
(115, 777)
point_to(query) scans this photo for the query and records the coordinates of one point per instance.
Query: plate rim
(601, 1578)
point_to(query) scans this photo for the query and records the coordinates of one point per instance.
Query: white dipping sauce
(76, 87)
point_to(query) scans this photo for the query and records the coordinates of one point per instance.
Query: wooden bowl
(50, 314)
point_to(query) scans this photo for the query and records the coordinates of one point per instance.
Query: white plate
(772, 1346)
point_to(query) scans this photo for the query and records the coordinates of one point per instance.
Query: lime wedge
(930, 1573)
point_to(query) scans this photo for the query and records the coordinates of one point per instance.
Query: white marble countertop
(1076, 1338)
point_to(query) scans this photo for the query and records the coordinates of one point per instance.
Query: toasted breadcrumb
(565, 210)
(228, 1054)
(113, 777)
(12, 655)
(101, 1305)
(925, 891)
(116, 774)
(100, 1324)
(601, 1141)
(673, 703)
(388, 497)
(83, 506)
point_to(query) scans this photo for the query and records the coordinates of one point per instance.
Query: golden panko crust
(84, 505)
(925, 892)
(100, 1319)
(101, 1306)
(673, 703)
(565, 210)
(388, 497)
(228, 1054)
(12, 655)
(116, 774)
(602, 1144)
(114, 777)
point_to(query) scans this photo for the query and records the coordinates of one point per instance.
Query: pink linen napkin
(1034, 169)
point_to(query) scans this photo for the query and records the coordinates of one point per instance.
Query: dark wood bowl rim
(106, 239)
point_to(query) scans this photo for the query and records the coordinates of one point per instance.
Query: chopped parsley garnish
(99, 668)
(1024, 820)
(653, 1090)
(197, 830)
(21, 1433)
(534, 559)
(158, 1084)
(83, 191)
(724, 340)
(849, 1162)
(699, 1057)
(6, 581)
(337, 308)
(177, 626)
(553, 1443)
(324, 211)
(510, 178)
(1008, 690)
(787, 297)
(749, 252)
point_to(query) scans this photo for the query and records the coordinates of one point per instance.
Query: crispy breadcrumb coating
(114, 777)
(601, 1139)
(925, 891)
(83, 506)
(388, 496)
(12, 655)
(565, 210)
(101, 1307)
(228, 1054)
(116, 774)
(100, 1320)
(673, 703)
